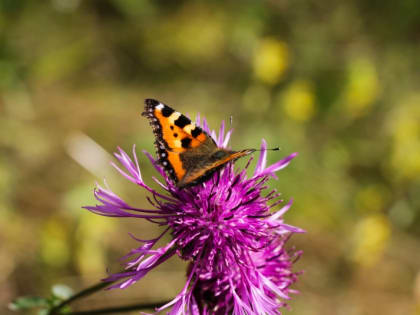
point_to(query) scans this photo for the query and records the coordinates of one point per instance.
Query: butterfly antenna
(271, 149)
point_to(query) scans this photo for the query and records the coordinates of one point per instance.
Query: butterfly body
(188, 153)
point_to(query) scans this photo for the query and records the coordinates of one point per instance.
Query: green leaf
(27, 302)
(43, 312)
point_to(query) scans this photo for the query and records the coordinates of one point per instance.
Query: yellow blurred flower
(55, 249)
(271, 60)
(404, 128)
(371, 236)
(199, 42)
(362, 88)
(299, 101)
(406, 161)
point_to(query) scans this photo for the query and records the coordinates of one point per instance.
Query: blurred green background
(336, 81)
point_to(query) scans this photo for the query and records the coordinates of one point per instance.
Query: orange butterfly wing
(175, 134)
(187, 153)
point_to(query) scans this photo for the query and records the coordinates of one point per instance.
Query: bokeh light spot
(371, 236)
(271, 60)
(299, 101)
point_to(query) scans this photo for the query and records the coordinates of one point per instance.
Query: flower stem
(86, 292)
(91, 290)
(119, 309)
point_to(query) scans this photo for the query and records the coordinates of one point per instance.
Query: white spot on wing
(173, 117)
(189, 128)
(160, 106)
(177, 144)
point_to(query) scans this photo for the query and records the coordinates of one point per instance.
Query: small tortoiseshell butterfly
(188, 154)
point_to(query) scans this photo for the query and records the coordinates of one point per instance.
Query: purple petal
(197, 120)
(227, 138)
(221, 134)
(155, 164)
(205, 126)
(132, 168)
(144, 265)
(278, 165)
(262, 160)
(282, 211)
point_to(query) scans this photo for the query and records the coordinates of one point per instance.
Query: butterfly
(187, 153)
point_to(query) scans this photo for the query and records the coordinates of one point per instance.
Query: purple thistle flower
(224, 227)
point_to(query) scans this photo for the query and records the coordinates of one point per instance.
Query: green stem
(88, 291)
(119, 309)
(91, 290)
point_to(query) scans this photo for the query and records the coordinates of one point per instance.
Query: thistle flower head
(224, 227)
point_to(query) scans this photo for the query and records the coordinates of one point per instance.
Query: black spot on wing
(196, 132)
(167, 111)
(160, 143)
(182, 121)
(185, 142)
